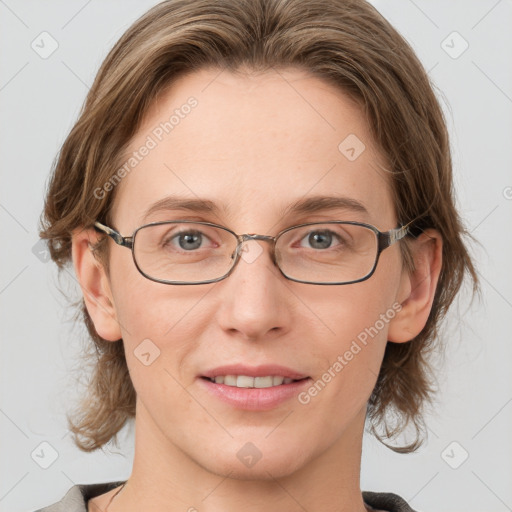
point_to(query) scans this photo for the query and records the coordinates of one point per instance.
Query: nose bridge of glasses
(252, 236)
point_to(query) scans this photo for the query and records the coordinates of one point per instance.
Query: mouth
(246, 381)
(256, 388)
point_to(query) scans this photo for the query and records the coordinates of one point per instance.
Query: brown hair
(344, 42)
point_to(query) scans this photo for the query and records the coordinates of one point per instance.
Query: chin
(248, 462)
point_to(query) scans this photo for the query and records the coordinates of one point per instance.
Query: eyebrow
(308, 205)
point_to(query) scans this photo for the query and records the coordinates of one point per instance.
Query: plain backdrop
(467, 48)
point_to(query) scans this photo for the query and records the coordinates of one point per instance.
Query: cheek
(159, 336)
(147, 309)
(350, 351)
(160, 323)
(348, 366)
(359, 311)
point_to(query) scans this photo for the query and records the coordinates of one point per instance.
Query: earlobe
(95, 285)
(417, 289)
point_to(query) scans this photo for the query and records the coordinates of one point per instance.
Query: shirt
(75, 500)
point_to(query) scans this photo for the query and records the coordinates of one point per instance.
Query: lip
(254, 371)
(254, 399)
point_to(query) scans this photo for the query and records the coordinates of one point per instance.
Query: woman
(257, 202)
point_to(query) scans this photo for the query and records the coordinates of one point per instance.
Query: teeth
(230, 380)
(263, 382)
(244, 381)
(277, 381)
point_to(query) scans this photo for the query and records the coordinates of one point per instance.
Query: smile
(245, 381)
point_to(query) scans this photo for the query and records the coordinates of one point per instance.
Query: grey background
(40, 346)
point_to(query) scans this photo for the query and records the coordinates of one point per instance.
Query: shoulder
(386, 501)
(76, 498)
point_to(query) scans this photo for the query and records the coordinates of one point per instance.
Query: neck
(164, 478)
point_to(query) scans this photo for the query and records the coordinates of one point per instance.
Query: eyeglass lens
(190, 252)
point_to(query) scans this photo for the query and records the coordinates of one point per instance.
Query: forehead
(253, 143)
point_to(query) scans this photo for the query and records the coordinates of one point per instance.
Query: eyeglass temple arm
(393, 235)
(125, 241)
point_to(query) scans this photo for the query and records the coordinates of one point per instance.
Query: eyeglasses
(194, 252)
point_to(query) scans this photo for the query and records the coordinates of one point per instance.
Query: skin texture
(256, 143)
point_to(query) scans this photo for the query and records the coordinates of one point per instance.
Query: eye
(190, 240)
(322, 239)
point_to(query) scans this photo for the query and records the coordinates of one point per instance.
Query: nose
(254, 297)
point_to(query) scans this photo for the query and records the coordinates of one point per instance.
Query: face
(254, 144)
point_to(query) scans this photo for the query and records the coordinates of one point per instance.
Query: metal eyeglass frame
(384, 240)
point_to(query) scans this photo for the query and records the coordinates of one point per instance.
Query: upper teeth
(244, 381)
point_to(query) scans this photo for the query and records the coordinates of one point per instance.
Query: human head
(364, 57)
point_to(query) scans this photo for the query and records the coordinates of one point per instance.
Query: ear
(94, 284)
(417, 288)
